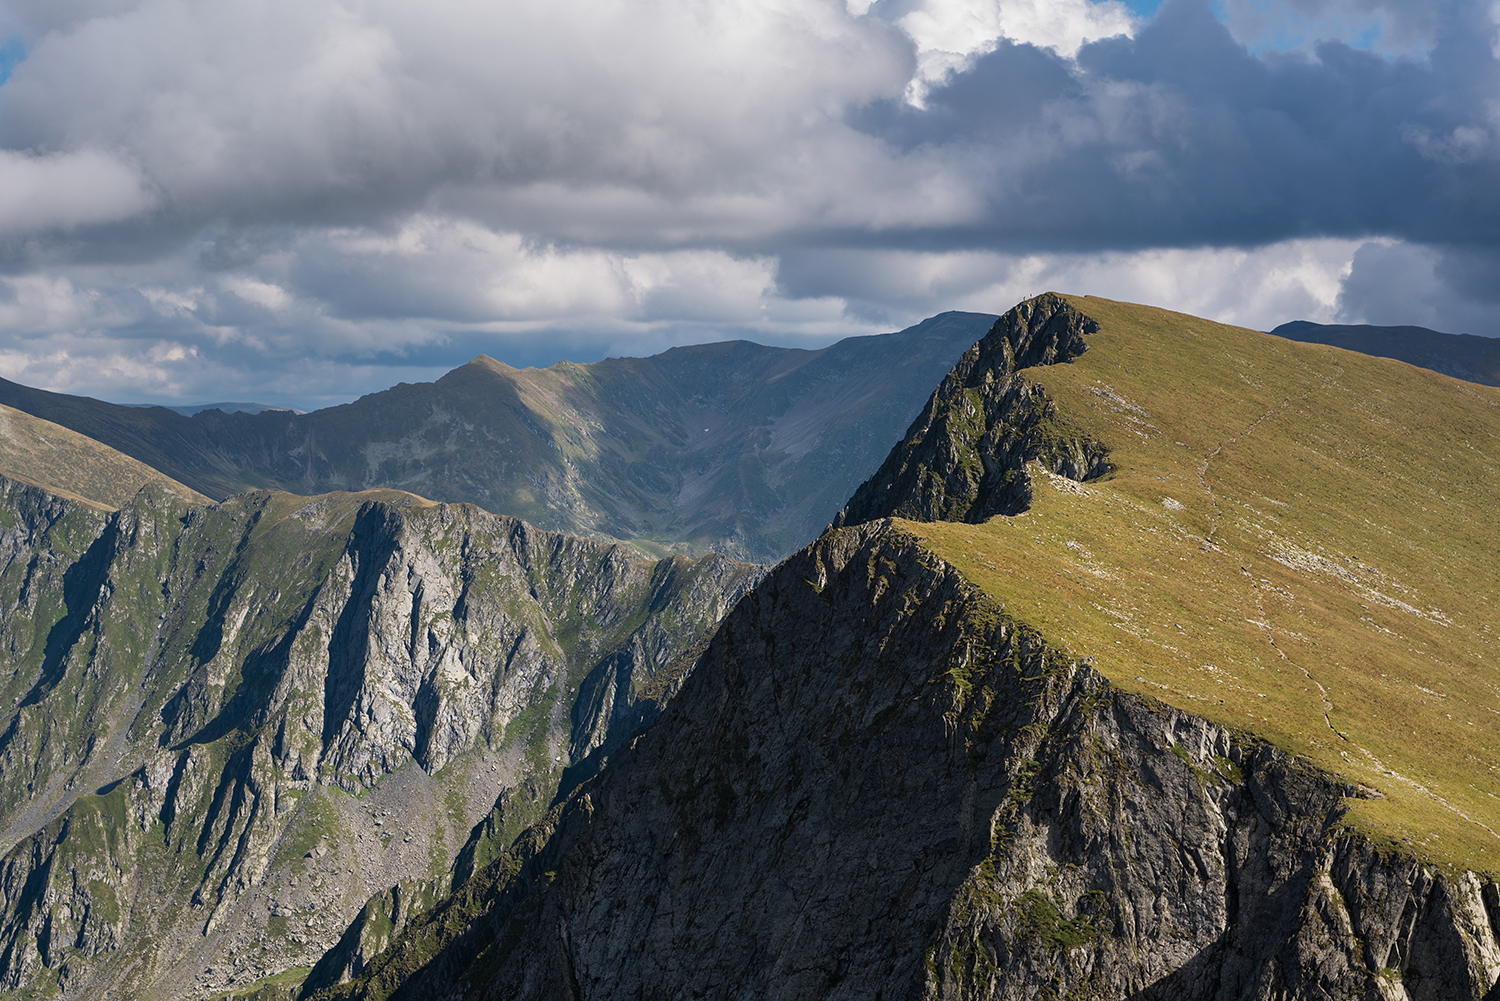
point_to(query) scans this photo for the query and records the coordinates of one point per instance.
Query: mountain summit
(731, 447)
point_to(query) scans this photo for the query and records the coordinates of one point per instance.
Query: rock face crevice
(1159, 856)
(227, 727)
(964, 457)
(875, 783)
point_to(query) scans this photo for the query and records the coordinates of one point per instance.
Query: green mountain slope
(72, 465)
(1463, 356)
(226, 728)
(1183, 712)
(730, 447)
(1294, 539)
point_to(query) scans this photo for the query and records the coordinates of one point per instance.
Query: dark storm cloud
(1180, 137)
(268, 194)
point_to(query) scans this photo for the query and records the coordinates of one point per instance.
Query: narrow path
(1419, 787)
(1261, 618)
(1208, 540)
(1264, 623)
(1270, 632)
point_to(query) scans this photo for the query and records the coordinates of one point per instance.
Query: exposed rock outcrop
(230, 726)
(964, 457)
(877, 784)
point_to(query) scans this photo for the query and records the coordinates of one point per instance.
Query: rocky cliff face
(230, 726)
(878, 784)
(964, 458)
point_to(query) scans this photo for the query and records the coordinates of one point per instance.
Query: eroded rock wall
(232, 726)
(876, 784)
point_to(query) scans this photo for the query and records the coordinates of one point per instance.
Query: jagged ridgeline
(231, 726)
(1191, 698)
(733, 447)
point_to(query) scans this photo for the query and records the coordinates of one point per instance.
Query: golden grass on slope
(1297, 541)
(73, 465)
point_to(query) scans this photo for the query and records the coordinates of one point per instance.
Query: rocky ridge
(964, 457)
(230, 726)
(879, 782)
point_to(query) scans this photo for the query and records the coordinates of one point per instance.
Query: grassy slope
(1328, 581)
(1463, 356)
(69, 464)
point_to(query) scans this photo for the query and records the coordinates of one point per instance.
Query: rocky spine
(877, 783)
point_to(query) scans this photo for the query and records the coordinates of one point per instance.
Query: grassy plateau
(1295, 541)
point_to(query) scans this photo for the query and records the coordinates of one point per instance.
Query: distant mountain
(225, 727)
(72, 465)
(734, 447)
(1463, 356)
(189, 409)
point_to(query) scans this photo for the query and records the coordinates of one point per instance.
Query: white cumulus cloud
(40, 191)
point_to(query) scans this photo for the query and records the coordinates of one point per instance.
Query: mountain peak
(964, 457)
(1462, 356)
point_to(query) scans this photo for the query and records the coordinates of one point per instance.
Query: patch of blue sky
(1276, 26)
(12, 52)
(1145, 9)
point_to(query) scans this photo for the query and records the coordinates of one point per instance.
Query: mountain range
(1190, 699)
(731, 447)
(1463, 356)
(1154, 661)
(189, 409)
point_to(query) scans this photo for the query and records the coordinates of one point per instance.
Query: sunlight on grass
(1296, 541)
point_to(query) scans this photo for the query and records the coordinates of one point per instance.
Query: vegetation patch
(1038, 918)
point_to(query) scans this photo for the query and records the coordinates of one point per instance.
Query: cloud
(298, 189)
(950, 34)
(301, 110)
(1391, 27)
(1452, 289)
(62, 191)
(1259, 288)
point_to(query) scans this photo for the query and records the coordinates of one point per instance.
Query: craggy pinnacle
(964, 457)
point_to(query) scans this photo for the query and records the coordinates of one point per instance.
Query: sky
(301, 201)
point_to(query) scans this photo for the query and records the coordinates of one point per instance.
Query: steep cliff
(231, 726)
(879, 784)
(1203, 714)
